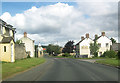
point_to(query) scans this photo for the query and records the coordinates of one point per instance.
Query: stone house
(29, 45)
(7, 42)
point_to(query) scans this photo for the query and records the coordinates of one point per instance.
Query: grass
(112, 62)
(9, 69)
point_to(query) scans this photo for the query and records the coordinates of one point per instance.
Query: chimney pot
(25, 34)
(87, 35)
(103, 33)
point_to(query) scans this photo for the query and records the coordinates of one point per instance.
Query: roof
(100, 37)
(6, 25)
(81, 41)
(6, 39)
(27, 38)
(115, 46)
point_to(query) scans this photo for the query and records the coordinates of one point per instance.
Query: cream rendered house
(7, 44)
(29, 45)
(82, 48)
(104, 43)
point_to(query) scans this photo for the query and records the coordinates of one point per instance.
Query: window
(4, 48)
(99, 44)
(107, 44)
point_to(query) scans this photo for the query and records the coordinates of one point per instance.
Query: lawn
(9, 69)
(112, 62)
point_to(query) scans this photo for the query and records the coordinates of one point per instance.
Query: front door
(12, 56)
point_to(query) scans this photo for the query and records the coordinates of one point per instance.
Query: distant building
(7, 44)
(29, 45)
(40, 50)
(82, 47)
(104, 43)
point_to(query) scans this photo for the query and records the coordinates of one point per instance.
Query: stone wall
(20, 52)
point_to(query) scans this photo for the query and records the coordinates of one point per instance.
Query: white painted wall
(84, 47)
(29, 45)
(103, 40)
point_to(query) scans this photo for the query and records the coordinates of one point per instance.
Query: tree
(18, 41)
(69, 47)
(94, 47)
(113, 40)
(53, 49)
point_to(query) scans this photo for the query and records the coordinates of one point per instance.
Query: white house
(104, 43)
(82, 48)
(40, 50)
(29, 45)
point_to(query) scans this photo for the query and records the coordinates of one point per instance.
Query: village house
(104, 43)
(82, 47)
(29, 45)
(40, 50)
(7, 42)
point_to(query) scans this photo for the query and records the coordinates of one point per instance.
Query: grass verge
(112, 62)
(9, 69)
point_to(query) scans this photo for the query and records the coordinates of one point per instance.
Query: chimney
(103, 33)
(82, 38)
(25, 34)
(87, 35)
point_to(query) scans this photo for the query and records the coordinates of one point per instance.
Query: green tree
(18, 41)
(53, 49)
(69, 47)
(113, 40)
(94, 47)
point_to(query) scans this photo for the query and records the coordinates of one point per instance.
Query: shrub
(66, 54)
(109, 54)
(28, 56)
(118, 55)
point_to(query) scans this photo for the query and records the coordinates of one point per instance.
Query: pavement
(66, 69)
(91, 60)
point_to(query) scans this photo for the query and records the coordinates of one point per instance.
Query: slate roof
(6, 39)
(115, 46)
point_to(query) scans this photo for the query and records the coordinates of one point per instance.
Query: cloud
(62, 22)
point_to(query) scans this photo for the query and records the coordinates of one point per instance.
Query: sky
(59, 22)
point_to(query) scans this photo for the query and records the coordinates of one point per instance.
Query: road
(61, 69)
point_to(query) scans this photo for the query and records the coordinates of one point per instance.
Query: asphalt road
(59, 69)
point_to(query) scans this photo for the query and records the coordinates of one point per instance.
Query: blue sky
(20, 7)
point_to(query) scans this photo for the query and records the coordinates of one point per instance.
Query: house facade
(82, 47)
(7, 44)
(40, 50)
(104, 43)
(29, 45)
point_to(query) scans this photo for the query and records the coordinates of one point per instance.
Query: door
(12, 51)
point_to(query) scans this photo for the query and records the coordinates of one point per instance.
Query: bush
(118, 55)
(66, 54)
(28, 56)
(109, 54)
